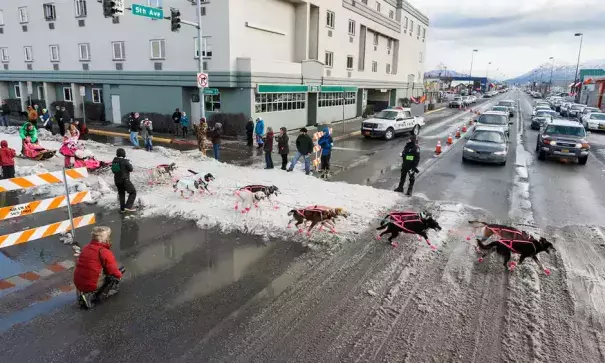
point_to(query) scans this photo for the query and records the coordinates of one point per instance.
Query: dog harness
(400, 218)
(316, 208)
(508, 243)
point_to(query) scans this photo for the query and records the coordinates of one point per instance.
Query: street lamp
(581, 35)
(552, 67)
(472, 58)
(487, 77)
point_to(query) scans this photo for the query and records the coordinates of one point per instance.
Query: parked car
(487, 95)
(586, 110)
(539, 108)
(541, 118)
(594, 121)
(575, 110)
(466, 100)
(565, 139)
(456, 102)
(494, 119)
(486, 144)
(387, 123)
(473, 99)
(511, 106)
(565, 106)
(500, 109)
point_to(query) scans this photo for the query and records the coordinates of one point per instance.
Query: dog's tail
(291, 213)
(192, 172)
(477, 224)
(485, 246)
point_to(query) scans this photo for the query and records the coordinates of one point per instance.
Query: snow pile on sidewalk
(366, 205)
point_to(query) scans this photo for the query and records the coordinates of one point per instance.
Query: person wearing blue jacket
(325, 142)
(184, 123)
(259, 130)
(46, 121)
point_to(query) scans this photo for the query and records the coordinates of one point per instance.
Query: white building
(291, 62)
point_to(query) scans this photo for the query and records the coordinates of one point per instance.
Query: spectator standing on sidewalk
(146, 129)
(268, 148)
(121, 168)
(325, 142)
(176, 118)
(7, 160)
(65, 119)
(304, 147)
(250, 132)
(283, 146)
(58, 116)
(259, 130)
(215, 136)
(201, 134)
(46, 120)
(184, 123)
(134, 125)
(5, 111)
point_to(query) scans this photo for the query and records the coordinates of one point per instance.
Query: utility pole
(471, 70)
(201, 59)
(552, 66)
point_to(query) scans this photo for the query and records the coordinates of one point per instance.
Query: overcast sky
(515, 35)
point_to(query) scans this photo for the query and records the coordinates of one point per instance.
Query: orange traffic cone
(458, 133)
(470, 122)
(438, 148)
(463, 128)
(449, 140)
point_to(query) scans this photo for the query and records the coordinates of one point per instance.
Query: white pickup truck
(387, 123)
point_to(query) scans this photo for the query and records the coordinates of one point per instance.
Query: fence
(40, 206)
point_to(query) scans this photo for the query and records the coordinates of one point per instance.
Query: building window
(17, 91)
(349, 62)
(350, 98)
(405, 25)
(158, 3)
(365, 2)
(375, 38)
(374, 66)
(377, 6)
(329, 59)
(389, 43)
(118, 50)
(418, 32)
(420, 57)
(67, 94)
(330, 19)
(351, 27)
(423, 34)
(28, 54)
(97, 95)
(329, 99)
(40, 92)
(50, 13)
(388, 69)
(4, 54)
(276, 102)
(54, 53)
(157, 48)
(84, 51)
(206, 48)
(411, 28)
(213, 102)
(23, 15)
(391, 14)
(1, 17)
(80, 6)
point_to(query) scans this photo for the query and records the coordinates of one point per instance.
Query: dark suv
(565, 139)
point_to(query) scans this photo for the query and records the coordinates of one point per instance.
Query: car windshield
(387, 115)
(597, 116)
(488, 136)
(500, 108)
(544, 113)
(576, 107)
(493, 120)
(505, 103)
(565, 130)
(458, 99)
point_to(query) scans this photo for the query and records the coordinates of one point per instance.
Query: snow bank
(365, 204)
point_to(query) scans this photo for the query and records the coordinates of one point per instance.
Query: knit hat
(121, 153)
(101, 234)
(304, 129)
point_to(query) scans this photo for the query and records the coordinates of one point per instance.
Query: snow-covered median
(365, 204)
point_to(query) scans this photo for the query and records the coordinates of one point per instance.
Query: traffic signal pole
(201, 60)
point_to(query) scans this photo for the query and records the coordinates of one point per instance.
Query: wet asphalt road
(192, 294)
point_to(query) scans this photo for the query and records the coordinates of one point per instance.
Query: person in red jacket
(7, 160)
(97, 273)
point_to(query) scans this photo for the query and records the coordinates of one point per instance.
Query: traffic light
(175, 20)
(110, 8)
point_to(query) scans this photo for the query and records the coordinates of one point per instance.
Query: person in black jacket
(250, 132)
(283, 147)
(304, 147)
(59, 120)
(5, 111)
(176, 118)
(411, 158)
(121, 168)
(134, 125)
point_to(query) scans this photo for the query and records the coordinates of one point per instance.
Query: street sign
(30, 88)
(82, 91)
(119, 7)
(147, 11)
(202, 80)
(314, 89)
(211, 91)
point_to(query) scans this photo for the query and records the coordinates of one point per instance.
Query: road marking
(29, 277)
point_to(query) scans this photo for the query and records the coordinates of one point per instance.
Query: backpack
(116, 168)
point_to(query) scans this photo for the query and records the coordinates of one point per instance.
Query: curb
(346, 136)
(28, 278)
(126, 136)
(436, 110)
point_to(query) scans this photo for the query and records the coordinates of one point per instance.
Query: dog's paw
(394, 244)
(378, 238)
(480, 259)
(547, 272)
(433, 247)
(468, 238)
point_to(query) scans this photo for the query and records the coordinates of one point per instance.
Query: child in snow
(184, 123)
(31, 149)
(7, 160)
(146, 129)
(268, 148)
(68, 150)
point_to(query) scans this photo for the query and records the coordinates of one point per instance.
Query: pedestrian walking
(121, 168)
(58, 116)
(176, 118)
(283, 147)
(411, 158)
(268, 148)
(134, 125)
(65, 119)
(201, 134)
(5, 111)
(215, 136)
(259, 130)
(32, 116)
(146, 133)
(325, 142)
(184, 123)
(250, 132)
(7, 160)
(304, 147)
(46, 120)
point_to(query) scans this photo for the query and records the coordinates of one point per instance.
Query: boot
(399, 189)
(409, 192)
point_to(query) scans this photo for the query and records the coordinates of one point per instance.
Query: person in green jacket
(29, 130)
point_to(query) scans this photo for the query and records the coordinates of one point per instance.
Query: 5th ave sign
(147, 11)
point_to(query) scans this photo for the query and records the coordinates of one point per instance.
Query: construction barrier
(25, 209)
(317, 149)
(45, 231)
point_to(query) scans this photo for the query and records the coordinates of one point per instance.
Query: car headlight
(553, 143)
(578, 145)
(469, 150)
(500, 153)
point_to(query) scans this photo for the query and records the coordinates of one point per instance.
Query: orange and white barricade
(317, 149)
(45, 231)
(37, 180)
(38, 206)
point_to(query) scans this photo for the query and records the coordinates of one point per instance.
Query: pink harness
(400, 218)
(508, 243)
(315, 208)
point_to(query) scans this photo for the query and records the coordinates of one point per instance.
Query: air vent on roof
(119, 67)
(351, 39)
(81, 23)
(29, 67)
(375, 48)
(56, 66)
(203, 10)
(329, 33)
(157, 66)
(51, 26)
(85, 67)
(205, 65)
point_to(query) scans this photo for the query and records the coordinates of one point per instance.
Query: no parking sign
(202, 80)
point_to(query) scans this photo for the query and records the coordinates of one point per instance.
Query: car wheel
(582, 160)
(416, 130)
(367, 136)
(541, 155)
(389, 134)
(464, 160)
